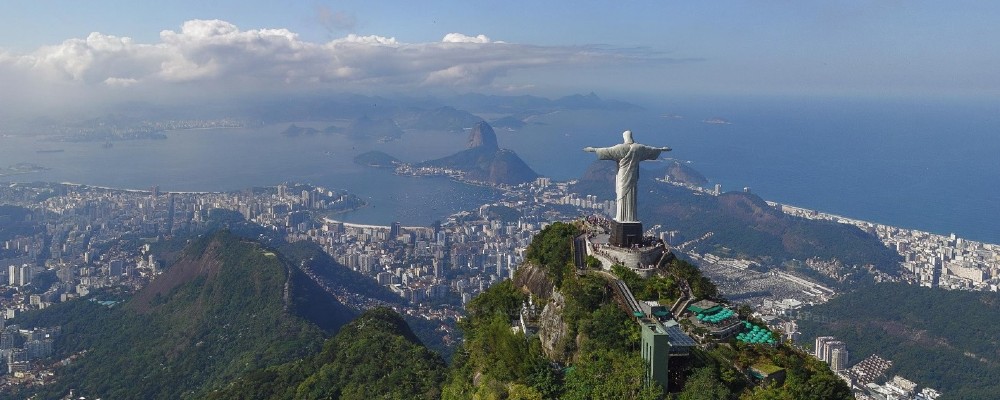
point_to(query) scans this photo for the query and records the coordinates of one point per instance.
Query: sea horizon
(917, 165)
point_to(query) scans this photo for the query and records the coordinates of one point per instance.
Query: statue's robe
(628, 157)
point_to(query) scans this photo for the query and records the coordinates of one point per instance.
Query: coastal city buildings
(932, 260)
(80, 239)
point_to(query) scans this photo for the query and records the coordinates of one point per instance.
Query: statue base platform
(641, 260)
(643, 255)
(626, 234)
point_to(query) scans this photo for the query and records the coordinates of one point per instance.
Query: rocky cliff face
(532, 279)
(482, 135)
(552, 329)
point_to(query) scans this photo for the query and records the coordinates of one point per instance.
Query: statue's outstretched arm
(590, 149)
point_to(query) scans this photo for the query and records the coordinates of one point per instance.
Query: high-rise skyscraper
(820, 347)
(25, 274)
(438, 269)
(839, 358)
(832, 352)
(395, 230)
(12, 275)
(306, 199)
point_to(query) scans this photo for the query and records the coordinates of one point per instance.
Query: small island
(295, 130)
(376, 159)
(509, 123)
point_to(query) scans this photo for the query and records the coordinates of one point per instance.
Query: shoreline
(809, 213)
(785, 208)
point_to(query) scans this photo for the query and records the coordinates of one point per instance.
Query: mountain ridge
(231, 306)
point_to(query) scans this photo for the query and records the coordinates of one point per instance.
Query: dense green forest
(496, 362)
(599, 355)
(376, 356)
(220, 311)
(946, 340)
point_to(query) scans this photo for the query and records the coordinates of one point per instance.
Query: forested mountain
(226, 307)
(587, 347)
(948, 340)
(376, 356)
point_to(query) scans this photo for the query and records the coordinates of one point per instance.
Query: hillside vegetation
(947, 340)
(228, 306)
(376, 356)
(597, 354)
(233, 319)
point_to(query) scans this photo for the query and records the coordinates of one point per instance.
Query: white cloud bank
(218, 52)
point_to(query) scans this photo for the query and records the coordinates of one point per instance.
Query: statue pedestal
(625, 234)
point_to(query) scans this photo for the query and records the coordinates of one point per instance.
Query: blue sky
(844, 48)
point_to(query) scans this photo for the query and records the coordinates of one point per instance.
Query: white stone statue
(628, 155)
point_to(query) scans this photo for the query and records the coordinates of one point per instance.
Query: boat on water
(50, 151)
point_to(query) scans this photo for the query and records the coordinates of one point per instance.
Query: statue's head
(628, 137)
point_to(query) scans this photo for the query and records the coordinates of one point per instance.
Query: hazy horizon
(78, 56)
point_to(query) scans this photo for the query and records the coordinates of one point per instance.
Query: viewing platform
(643, 255)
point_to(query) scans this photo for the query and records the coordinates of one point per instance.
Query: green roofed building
(768, 373)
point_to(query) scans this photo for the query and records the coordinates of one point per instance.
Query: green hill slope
(376, 356)
(597, 353)
(228, 306)
(947, 340)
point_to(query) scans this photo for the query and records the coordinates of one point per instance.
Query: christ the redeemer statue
(628, 155)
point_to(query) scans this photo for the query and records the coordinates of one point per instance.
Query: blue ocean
(928, 165)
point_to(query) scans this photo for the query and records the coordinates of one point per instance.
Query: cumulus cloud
(124, 82)
(461, 38)
(214, 54)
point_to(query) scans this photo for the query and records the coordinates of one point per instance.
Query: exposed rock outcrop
(532, 279)
(482, 135)
(484, 161)
(552, 329)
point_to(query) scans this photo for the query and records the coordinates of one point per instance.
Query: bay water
(932, 165)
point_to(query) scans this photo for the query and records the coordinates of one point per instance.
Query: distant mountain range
(365, 127)
(453, 113)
